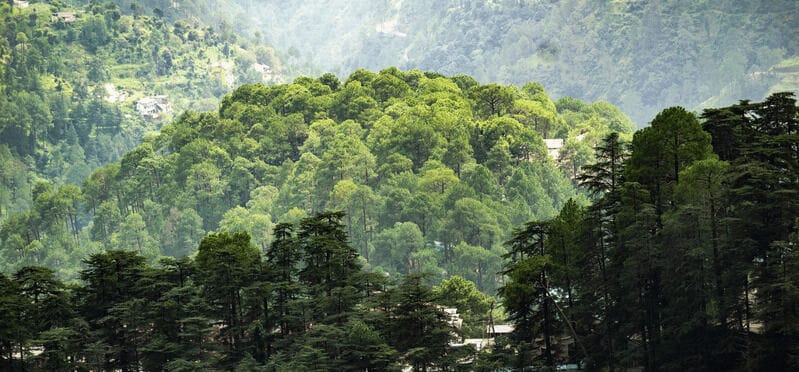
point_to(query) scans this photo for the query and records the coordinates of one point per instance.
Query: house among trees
(21, 4)
(478, 343)
(499, 330)
(66, 17)
(454, 319)
(489, 338)
(265, 70)
(553, 147)
(153, 107)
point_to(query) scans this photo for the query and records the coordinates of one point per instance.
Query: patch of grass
(123, 71)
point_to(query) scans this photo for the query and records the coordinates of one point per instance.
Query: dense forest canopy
(431, 171)
(75, 78)
(639, 55)
(685, 259)
(175, 194)
(305, 304)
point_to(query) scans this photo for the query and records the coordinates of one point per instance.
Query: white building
(153, 106)
(66, 17)
(553, 147)
(499, 330)
(455, 319)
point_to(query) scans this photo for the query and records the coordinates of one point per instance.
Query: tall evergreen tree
(226, 264)
(330, 267)
(111, 305)
(283, 260)
(419, 329)
(16, 329)
(660, 151)
(600, 241)
(526, 295)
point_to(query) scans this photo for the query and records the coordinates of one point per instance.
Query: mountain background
(84, 170)
(279, 217)
(639, 55)
(72, 75)
(61, 123)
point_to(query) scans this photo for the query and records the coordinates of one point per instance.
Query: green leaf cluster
(429, 176)
(306, 305)
(71, 75)
(685, 260)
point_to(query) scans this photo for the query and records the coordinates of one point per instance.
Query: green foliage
(227, 263)
(420, 329)
(395, 247)
(685, 253)
(638, 55)
(423, 184)
(526, 296)
(684, 260)
(308, 305)
(661, 151)
(72, 75)
(420, 154)
(473, 306)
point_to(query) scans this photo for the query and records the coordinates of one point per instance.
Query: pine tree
(111, 306)
(330, 267)
(419, 329)
(526, 295)
(226, 264)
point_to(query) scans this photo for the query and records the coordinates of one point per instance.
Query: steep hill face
(642, 56)
(432, 173)
(82, 83)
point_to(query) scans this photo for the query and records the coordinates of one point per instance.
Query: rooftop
(500, 329)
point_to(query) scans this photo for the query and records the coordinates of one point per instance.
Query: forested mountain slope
(685, 260)
(639, 55)
(80, 85)
(432, 173)
(153, 219)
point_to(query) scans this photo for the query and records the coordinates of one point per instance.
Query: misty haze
(399, 185)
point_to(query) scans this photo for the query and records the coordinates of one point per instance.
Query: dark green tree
(419, 329)
(110, 304)
(283, 259)
(674, 140)
(526, 295)
(227, 263)
(330, 267)
(16, 330)
(491, 99)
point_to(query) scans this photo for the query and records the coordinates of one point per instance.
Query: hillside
(639, 55)
(686, 251)
(432, 173)
(80, 85)
(178, 195)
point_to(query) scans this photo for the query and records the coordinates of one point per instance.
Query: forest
(683, 258)
(72, 74)
(686, 258)
(639, 55)
(432, 175)
(383, 221)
